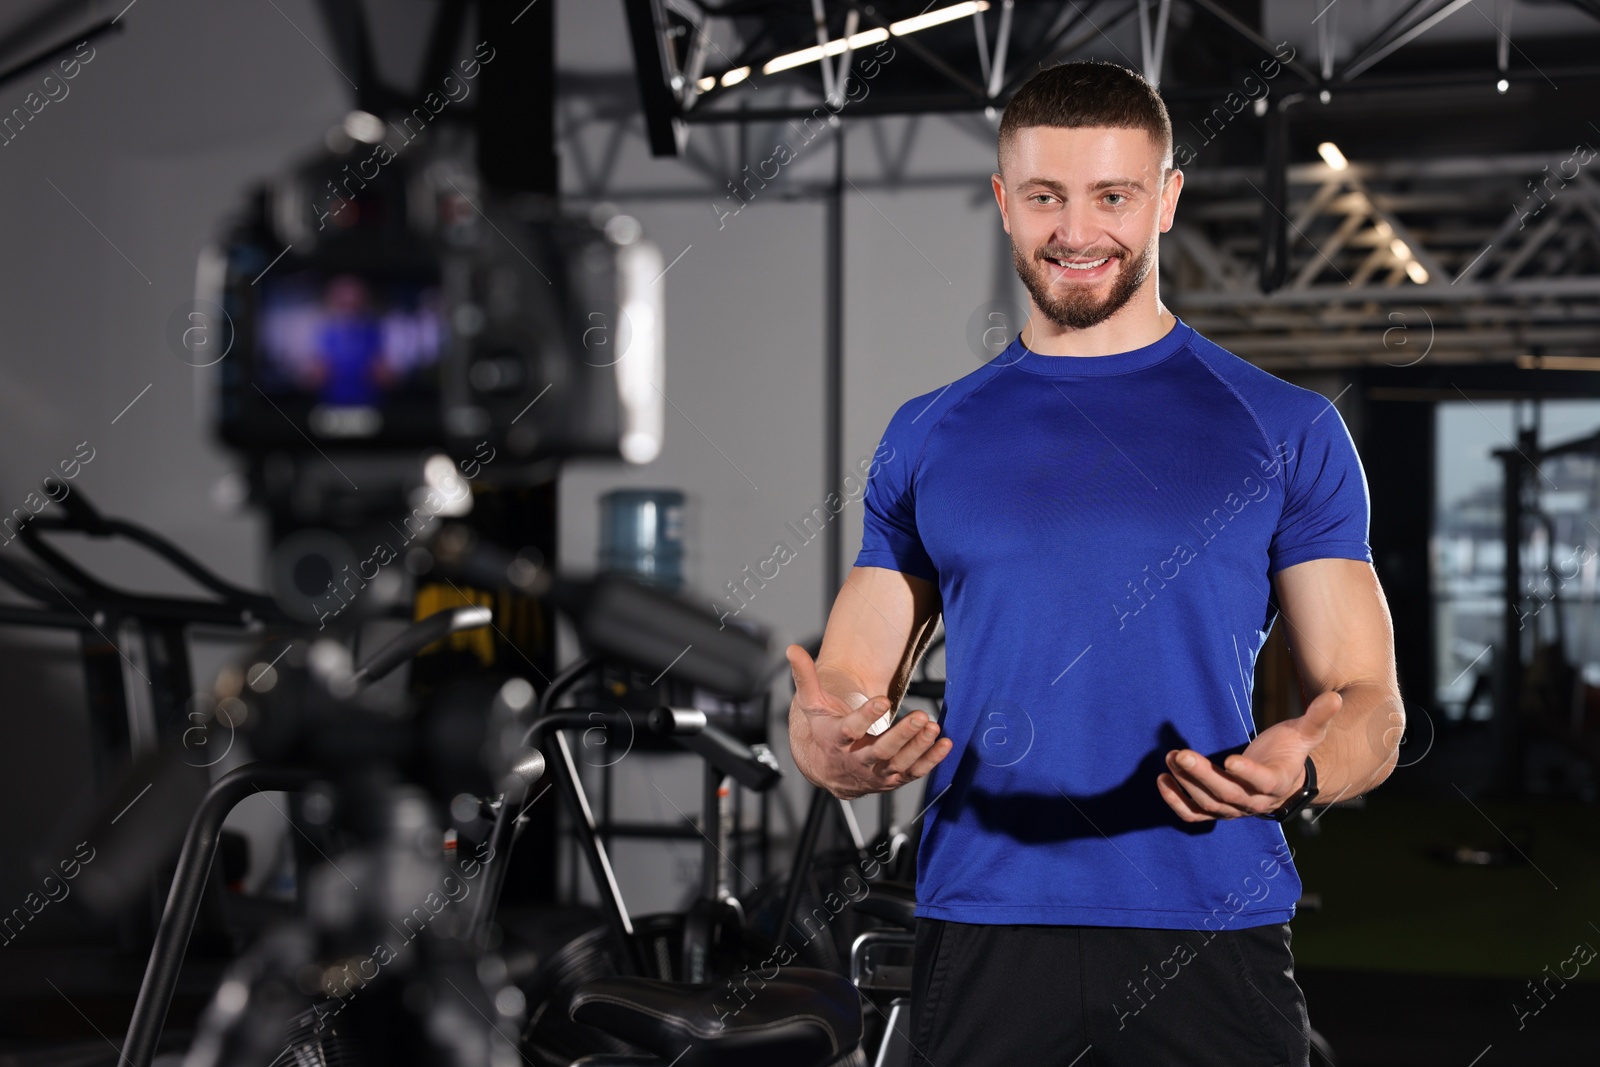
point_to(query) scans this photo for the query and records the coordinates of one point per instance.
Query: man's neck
(1130, 328)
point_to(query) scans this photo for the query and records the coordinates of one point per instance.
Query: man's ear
(1174, 185)
(1000, 198)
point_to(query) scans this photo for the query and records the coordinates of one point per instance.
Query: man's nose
(1077, 228)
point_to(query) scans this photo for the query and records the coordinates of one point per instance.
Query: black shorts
(1104, 996)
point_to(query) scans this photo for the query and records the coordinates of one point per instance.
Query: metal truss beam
(1458, 249)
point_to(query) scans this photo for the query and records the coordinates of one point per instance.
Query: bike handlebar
(418, 636)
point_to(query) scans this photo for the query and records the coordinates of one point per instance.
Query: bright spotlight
(364, 126)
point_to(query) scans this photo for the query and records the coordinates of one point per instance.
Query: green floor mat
(1388, 903)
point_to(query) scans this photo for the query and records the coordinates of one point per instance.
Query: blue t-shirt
(1103, 531)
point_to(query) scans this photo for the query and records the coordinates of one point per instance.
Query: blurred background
(1391, 203)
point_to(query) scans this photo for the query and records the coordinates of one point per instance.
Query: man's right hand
(831, 746)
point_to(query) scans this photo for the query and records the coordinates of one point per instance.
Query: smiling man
(1109, 516)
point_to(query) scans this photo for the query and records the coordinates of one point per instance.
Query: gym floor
(1433, 915)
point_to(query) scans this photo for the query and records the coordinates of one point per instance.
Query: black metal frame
(184, 898)
(1520, 464)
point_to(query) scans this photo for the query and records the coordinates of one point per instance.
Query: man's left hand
(1259, 780)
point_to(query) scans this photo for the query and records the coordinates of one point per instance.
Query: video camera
(382, 334)
(420, 309)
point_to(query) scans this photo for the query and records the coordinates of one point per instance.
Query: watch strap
(1293, 806)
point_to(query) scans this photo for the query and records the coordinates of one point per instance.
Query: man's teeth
(1080, 266)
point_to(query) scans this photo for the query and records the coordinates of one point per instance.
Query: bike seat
(893, 902)
(802, 1017)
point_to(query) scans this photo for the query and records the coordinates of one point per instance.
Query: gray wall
(108, 193)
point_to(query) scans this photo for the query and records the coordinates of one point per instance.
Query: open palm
(834, 747)
(1256, 781)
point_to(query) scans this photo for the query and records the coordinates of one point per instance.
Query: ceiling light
(934, 18)
(1589, 363)
(1398, 247)
(832, 48)
(1417, 272)
(1332, 156)
(735, 76)
(1502, 85)
(706, 84)
(871, 37)
(797, 59)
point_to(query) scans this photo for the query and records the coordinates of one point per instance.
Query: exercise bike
(715, 936)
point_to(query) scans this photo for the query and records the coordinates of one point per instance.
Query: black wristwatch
(1294, 804)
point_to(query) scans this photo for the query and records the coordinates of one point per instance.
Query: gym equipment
(802, 1018)
(709, 941)
(313, 734)
(1543, 697)
(183, 900)
(880, 967)
(140, 690)
(201, 840)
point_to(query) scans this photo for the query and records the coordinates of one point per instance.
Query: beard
(1078, 308)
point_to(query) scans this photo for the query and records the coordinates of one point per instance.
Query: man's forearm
(1363, 742)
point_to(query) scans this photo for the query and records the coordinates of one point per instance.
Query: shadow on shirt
(1038, 817)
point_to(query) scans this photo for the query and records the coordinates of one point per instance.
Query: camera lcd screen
(348, 341)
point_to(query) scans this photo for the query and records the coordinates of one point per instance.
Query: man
(1110, 515)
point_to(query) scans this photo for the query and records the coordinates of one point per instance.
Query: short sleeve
(1326, 506)
(889, 535)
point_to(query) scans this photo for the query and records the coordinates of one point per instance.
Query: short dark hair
(1089, 92)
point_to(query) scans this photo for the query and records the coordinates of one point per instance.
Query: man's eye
(1119, 195)
(1040, 198)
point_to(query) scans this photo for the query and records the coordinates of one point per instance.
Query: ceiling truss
(1482, 259)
